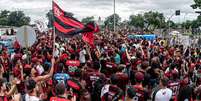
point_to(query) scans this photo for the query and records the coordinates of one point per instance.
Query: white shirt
(82, 56)
(56, 53)
(31, 98)
(163, 95)
(40, 69)
(12, 56)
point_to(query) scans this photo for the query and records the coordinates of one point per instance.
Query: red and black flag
(88, 32)
(65, 25)
(69, 26)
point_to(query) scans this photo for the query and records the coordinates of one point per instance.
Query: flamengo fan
(65, 25)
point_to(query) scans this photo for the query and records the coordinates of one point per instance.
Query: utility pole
(114, 15)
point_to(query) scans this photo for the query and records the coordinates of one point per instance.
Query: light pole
(114, 15)
(169, 22)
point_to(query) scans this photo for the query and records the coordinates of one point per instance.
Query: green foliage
(137, 21)
(187, 24)
(154, 20)
(197, 4)
(171, 24)
(14, 18)
(150, 21)
(50, 18)
(88, 19)
(110, 21)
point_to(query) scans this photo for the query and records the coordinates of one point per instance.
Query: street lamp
(177, 13)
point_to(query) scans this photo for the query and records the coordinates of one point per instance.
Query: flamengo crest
(57, 12)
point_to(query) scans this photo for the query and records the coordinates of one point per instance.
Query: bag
(111, 93)
(154, 93)
(22, 97)
(96, 90)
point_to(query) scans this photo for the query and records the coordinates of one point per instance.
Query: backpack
(111, 93)
(22, 98)
(96, 90)
(154, 93)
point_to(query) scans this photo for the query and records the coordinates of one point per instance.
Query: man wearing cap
(185, 91)
(92, 77)
(111, 92)
(141, 93)
(174, 82)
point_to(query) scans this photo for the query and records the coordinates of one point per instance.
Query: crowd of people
(115, 68)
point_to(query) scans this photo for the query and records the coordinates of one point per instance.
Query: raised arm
(127, 55)
(11, 91)
(47, 76)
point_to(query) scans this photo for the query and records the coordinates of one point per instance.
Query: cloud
(103, 8)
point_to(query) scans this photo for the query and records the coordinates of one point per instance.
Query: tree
(196, 23)
(197, 4)
(110, 21)
(154, 20)
(187, 24)
(14, 18)
(137, 21)
(18, 18)
(88, 19)
(50, 17)
(4, 17)
(171, 24)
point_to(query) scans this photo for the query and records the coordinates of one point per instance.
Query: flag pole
(53, 40)
(53, 30)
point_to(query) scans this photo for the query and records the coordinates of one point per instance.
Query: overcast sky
(37, 9)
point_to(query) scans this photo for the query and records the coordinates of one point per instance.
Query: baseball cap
(139, 76)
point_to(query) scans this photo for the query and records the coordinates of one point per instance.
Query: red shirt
(112, 92)
(58, 99)
(174, 86)
(140, 93)
(17, 72)
(123, 80)
(124, 57)
(91, 77)
(110, 68)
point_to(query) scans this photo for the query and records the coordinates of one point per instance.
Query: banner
(145, 36)
(8, 42)
(73, 63)
(40, 25)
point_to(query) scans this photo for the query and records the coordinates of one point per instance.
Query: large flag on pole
(65, 25)
(69, 26)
